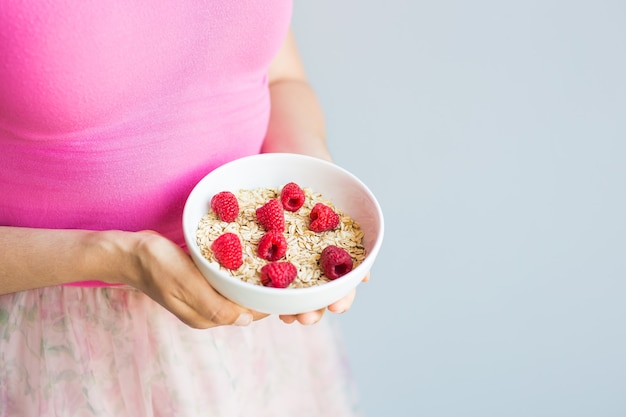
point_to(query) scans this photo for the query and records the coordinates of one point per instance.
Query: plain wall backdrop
(494, 135)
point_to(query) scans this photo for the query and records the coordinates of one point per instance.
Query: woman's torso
(110, 112)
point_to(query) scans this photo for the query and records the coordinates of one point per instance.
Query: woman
(109, 114)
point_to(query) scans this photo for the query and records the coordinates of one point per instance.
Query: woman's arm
(33, 258)
(296, 119)
(297, 126)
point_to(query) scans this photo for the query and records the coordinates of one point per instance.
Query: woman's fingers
(205, 308)
(196, 303)
(340, 306)
(311, 317)
(344, 303)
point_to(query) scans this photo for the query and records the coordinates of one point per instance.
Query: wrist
(111, 256)
(310, 145)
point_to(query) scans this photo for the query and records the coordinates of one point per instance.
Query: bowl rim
(193, 247)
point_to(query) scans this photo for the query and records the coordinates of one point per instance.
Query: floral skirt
(77, 351)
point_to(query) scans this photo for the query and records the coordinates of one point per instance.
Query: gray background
(493, 133)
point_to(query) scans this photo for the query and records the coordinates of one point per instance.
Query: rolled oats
(303, 245)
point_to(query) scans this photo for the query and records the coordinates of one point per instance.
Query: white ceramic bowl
(274, 170)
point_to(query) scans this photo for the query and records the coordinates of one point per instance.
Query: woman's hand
(340, 306)
(164, 272)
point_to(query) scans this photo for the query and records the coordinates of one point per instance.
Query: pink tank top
(110, 112)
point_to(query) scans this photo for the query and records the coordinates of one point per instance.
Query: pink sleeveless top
(110, 112)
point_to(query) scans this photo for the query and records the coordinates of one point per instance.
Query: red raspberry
(323, 218)
(225, 205)
(292, 196)
(335, 262)
(272, 246)
(228, 251)
(278, 274)
(271, 215)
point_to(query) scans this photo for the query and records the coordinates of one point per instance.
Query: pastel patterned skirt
(76, 351)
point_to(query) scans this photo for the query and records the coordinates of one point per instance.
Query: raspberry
(228, 251)
(272, 246)
(271, 215)
(292, 196)
(335, 262)
(278, 274)
(225, 205)
(323, 218)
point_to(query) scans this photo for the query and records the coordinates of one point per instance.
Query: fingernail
(243, 320)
